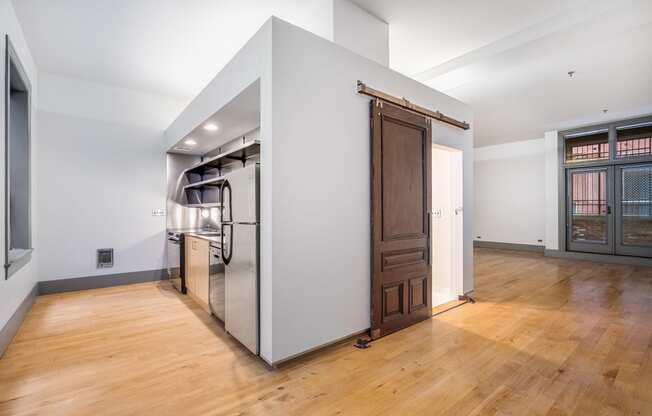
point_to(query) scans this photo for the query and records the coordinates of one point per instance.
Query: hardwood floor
(547, 337)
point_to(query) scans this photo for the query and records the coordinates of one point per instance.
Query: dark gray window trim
(562, 201)
(24, 258)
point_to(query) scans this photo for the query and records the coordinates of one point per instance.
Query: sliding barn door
(401, 183)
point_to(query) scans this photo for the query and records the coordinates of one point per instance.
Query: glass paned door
(589, 223)
(634, 210)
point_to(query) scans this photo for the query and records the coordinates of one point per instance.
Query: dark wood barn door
(401, 183)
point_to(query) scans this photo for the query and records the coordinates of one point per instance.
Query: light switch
(158, 212)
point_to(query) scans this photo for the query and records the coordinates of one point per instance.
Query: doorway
(609, 209)
(606, 188)
(447, 224)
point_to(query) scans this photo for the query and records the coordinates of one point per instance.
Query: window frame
(612, 128)
(565, 165)
(12, 266)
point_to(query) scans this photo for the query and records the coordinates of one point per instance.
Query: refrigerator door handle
(227, 254)
(227, 205)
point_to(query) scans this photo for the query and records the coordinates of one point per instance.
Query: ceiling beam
(571, 16)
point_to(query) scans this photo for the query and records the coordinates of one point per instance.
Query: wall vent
(104, 258)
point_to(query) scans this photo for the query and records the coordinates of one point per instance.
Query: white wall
(101, 172)
(320, 189)
(551, 200)
(510, 193)
(14, 290)
(360, 32)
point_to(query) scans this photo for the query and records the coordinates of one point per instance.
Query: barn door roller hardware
(402, 102)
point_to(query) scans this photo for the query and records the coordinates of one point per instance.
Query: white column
(361, 32)
(552, 190)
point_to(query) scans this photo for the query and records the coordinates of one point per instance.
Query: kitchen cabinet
(197, 270)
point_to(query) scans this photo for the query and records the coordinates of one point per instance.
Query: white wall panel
(510, 189)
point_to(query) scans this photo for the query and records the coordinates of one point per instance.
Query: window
(587, 147)
(18, 241)
(607, 196)
(634, 141)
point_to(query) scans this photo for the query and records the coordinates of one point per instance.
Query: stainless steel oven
(176, 269)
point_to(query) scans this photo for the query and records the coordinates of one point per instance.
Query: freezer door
(243, 194)
(241, 286)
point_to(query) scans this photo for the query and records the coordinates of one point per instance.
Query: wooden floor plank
(546, 337)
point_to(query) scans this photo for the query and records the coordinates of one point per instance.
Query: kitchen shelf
(203, 194)
(208, 183)
(241, 153)
(207, 205)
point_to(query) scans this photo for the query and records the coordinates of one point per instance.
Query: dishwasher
(216, 293)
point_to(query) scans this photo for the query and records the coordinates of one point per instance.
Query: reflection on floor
(547, 336)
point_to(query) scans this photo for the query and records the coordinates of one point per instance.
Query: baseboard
(49, 287)
(600, 258)
(317, 348)
(508, 246)
(10, 329)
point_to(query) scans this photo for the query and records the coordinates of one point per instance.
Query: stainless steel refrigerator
(240, 253)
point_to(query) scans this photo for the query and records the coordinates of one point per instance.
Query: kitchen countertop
(209, 238)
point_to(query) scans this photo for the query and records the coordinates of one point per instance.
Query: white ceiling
(168, 47)
(240, 116)
(507, 58)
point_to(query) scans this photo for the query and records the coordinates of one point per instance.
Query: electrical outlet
(158, 212)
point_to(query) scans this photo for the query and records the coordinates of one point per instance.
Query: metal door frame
(591, 247)
(620, 247)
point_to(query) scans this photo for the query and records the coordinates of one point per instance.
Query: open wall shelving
(205, 178)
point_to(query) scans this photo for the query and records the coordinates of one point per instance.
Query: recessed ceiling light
(190, 142)
(182, 149)
(211, 127)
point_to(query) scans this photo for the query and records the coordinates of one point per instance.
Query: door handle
(227, 258)
(228, 206)
(608, 210)
(429, 218)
